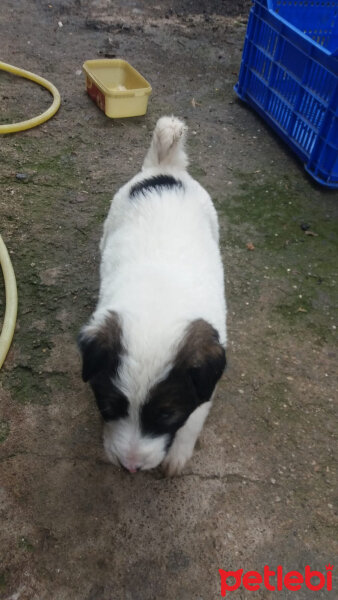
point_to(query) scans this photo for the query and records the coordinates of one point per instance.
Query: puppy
(154, 348)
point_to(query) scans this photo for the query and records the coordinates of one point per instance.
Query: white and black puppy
(154, 348)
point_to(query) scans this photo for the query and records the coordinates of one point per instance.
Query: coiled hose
(11, 302)
(22, 125)
(6, 265)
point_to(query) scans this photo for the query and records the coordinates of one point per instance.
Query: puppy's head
(142, 408)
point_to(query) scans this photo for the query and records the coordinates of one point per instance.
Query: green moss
(4, 430)
(44, 221)
(294, 308)
(300, 268)
(25, 544)
(273, 400)
(197, 172)
(265, 206)
(29, 386)
(3, 581)
(102, 207)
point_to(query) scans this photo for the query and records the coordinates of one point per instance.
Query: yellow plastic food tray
(116, 87)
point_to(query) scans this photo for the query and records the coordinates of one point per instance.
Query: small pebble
(22, 177)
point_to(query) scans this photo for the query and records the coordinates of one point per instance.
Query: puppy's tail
(167, 145)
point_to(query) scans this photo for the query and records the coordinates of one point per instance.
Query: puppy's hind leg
(167, 145)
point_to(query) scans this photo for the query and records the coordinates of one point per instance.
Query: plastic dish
(116, 87)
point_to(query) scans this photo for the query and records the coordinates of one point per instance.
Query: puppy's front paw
(175, 462)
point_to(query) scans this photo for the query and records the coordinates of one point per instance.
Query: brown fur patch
(101, 346)
(109, 333)
(200, 343)
(199, 364)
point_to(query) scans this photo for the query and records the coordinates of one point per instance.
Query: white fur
(161, 268)
(167, 145)
(184, 443)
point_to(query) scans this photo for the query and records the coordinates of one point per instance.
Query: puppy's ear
(101, 347)
(203, 357)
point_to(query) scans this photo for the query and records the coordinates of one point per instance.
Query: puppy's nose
(131, 468)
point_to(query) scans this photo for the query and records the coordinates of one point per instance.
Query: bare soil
(261, 488)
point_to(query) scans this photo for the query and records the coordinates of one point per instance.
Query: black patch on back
(101, 353)
(157, 182)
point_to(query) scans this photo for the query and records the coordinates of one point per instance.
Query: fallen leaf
(250, 246)
(194, 103)
(301, 309)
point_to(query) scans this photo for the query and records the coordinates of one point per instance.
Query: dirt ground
(261, 487)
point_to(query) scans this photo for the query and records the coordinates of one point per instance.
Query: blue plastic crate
(289, 74)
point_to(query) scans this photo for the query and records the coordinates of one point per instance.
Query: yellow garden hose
(11, 302)
(12, 127)
(7, 269)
